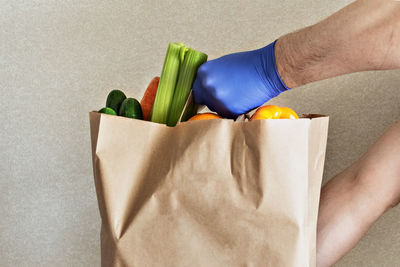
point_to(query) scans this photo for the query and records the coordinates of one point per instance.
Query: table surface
(58, 61)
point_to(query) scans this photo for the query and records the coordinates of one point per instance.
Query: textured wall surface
(59, 59)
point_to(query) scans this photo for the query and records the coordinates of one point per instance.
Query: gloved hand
(237, 83)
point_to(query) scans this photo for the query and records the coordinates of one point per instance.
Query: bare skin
(355, 198)
(362, 36)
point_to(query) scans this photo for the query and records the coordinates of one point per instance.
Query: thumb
(198, 91)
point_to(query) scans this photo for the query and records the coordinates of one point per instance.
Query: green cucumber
(115, 99)
(108, 111)
(131, 108)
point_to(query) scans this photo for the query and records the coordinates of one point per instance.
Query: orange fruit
(266, 112)
(274, 112)
(288, 113)
(205, 116)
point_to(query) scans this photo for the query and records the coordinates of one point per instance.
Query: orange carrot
(148, 98)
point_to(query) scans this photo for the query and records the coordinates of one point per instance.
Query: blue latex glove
(237, 83)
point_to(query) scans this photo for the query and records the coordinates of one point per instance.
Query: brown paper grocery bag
(208, 193)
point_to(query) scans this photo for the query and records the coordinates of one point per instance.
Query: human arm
(355, 198)
(362, 36)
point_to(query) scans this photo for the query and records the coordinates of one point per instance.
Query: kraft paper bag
(208, 193)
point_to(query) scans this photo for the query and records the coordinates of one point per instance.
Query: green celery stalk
(190, 111)
(168, 80)
(192, 60)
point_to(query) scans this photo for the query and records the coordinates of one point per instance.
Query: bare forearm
(354, 199)
(362, 36)
(345, 215)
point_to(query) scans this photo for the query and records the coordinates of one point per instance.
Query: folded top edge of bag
(302, 116)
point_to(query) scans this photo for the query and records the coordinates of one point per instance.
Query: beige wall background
(58, 61)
